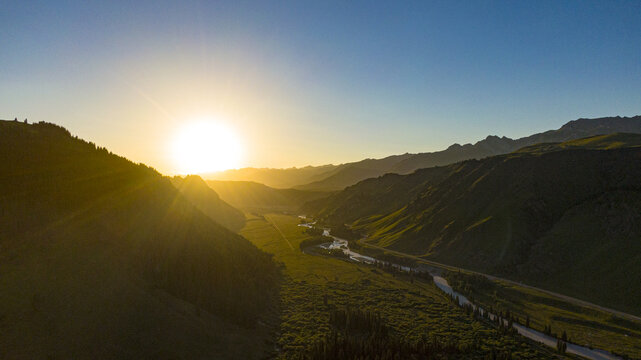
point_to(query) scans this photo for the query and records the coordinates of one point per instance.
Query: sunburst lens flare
(205, 147)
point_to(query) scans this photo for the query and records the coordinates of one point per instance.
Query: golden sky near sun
(205, 146)
(267, 117)
(306, 84)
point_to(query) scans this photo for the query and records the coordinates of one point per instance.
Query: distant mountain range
(104, 258)
(337, 177)
(565, 216)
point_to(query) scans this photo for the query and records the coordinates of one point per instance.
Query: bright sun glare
(205, 146)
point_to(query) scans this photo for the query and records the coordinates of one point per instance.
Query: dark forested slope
(103, 258)
(566, 216)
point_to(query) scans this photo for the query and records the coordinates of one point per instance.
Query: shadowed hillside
(254, 197)
(195, 189)
(104, 258)
(276, 178)
(337, 177)
(351, 173)
(547, 214)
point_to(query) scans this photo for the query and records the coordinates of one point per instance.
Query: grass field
(583, 325)
(414, 308)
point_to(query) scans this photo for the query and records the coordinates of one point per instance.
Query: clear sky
(317, 82)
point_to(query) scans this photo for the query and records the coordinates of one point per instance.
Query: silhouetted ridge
(195, 189)
(106, 253)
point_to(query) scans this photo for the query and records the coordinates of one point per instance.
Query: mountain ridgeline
(337, 177)
(564, 216)
(259, 198)
(196, 190)
(273, 177)
(104, 258)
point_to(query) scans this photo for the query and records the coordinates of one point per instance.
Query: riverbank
(530, 333)
(314, 286)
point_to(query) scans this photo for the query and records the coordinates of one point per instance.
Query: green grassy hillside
(196, 190)
(104, 258)
(546, 216)
(599, 142)
(259, 198)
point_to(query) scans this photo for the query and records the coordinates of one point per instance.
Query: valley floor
(413, 308)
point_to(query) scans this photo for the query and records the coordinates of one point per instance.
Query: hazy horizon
(312, 84)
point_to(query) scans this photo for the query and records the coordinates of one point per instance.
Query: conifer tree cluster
(359, 334)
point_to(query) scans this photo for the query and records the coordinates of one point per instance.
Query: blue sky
(317, 82)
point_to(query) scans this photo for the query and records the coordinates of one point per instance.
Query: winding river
(442, 284)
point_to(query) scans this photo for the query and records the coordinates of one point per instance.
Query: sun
(205, 146)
